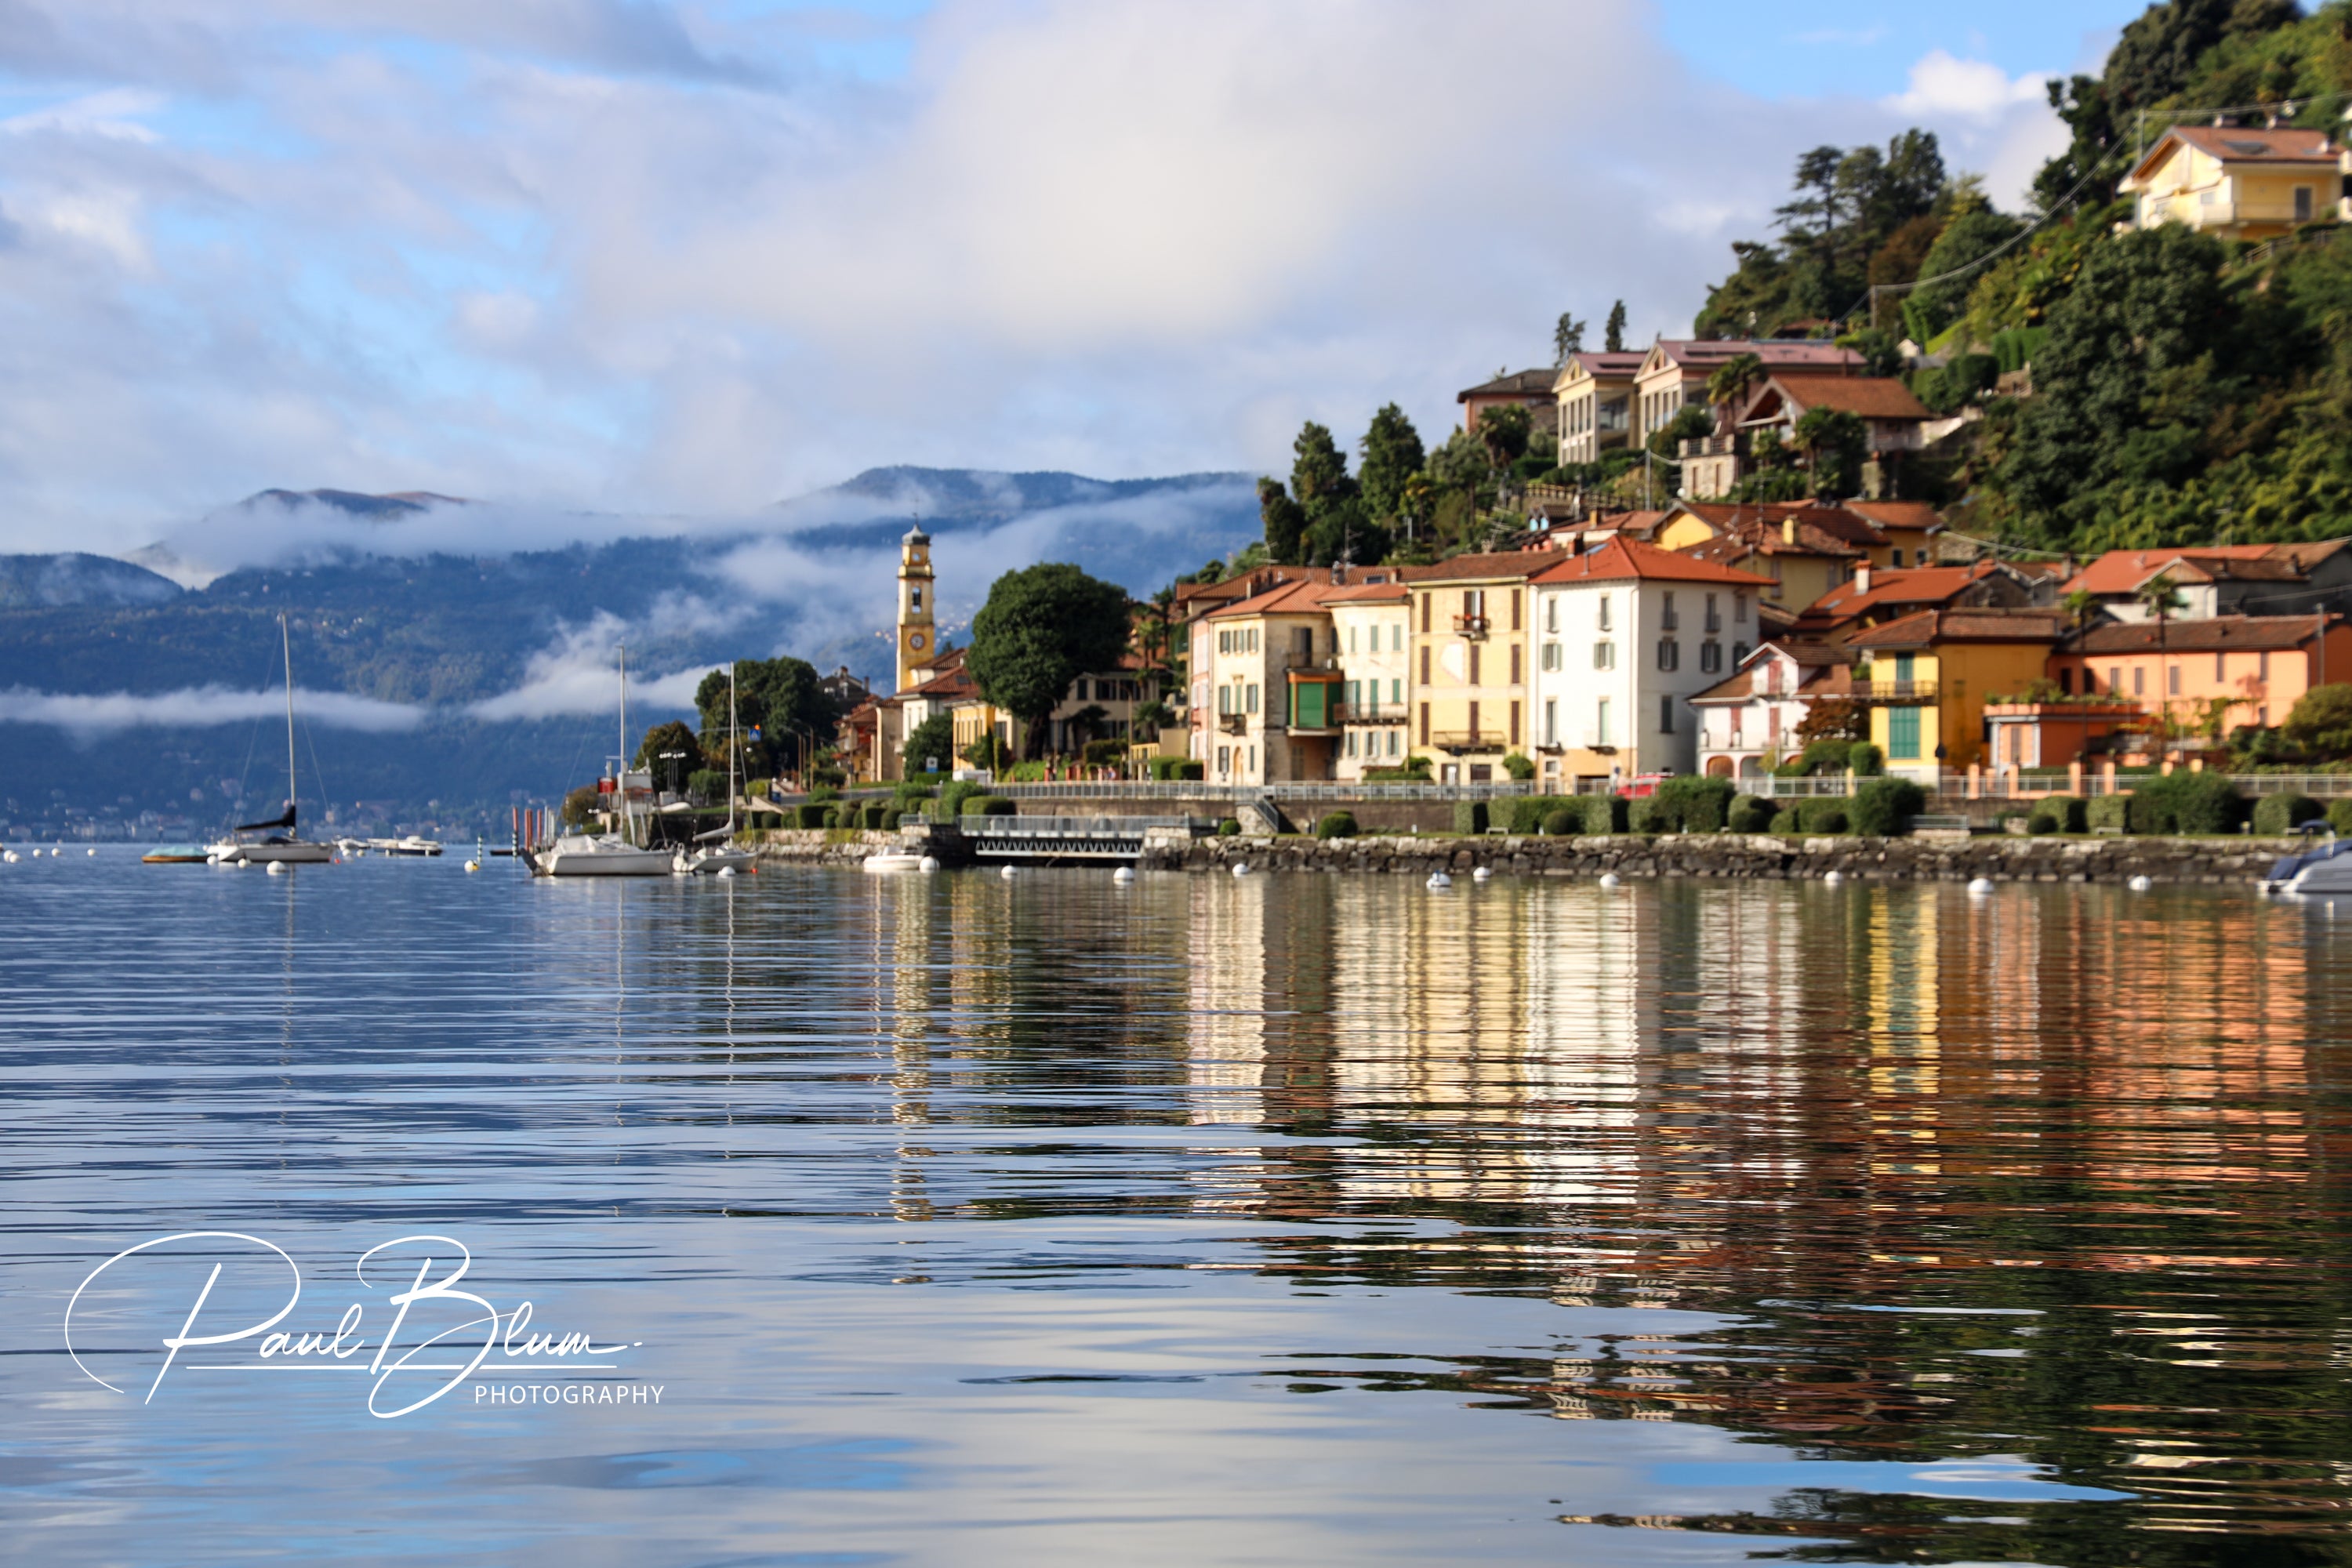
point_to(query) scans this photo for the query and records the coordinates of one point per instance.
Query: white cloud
(1943, 85)
(579, 672)
(88, 717)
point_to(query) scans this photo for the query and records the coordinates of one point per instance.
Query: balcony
(1471, 625)
(1367, 712)
(1456, 741)
(1896, 691)
(1234, 723)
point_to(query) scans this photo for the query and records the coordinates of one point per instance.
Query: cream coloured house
(1368, 627)
(2238, 183)
(1675, 372)
(1595, 397)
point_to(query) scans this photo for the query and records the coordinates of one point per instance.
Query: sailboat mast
(622, 783)
(286, 642)
(731, 745)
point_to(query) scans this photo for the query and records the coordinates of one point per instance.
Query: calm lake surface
(1268, 1220)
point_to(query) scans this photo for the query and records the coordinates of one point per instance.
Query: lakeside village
(2040, 529)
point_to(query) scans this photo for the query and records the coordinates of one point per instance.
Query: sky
(638, 257)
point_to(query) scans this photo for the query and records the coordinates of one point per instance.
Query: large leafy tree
(1503, 431)
(671, 752)
(1392, 454)
(1834, 443)
(928, 742)
(1320, 472)
(1967, 239)
(784, 710)
(1043, 627)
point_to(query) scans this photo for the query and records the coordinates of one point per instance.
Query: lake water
(1264, 1220)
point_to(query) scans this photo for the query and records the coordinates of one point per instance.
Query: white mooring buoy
(1241, 867)
(1980, 885)
(2139, 884)
(1439, 881)
(1608, 879)
(278, 867)
(1481, 874)
(1124, 874)
(1006, 873)
(928, 863)
(1831, 879)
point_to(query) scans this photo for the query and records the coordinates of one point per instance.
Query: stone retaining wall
(823, 846)
(1928, 857)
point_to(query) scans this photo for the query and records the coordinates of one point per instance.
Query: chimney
(1861, 577)
(1789, 529)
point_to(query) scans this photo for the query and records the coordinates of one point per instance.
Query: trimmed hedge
(1644, 813)
(1824, 814)
(1603, 812)
(2339, 814)
(1750, 815)
(1692, 803)
(2185, 802)
(1169, 770)
(1562, 823)
(1884, 807)
(2058, 814)
(2283, 813)
(1469, 816)
(990, 805)
(810, 814)
(953, 794)
(1528, 813)
(1231, 828)
(1866, 760)
(1338, 825)
(1787, 821)
(2108, 811)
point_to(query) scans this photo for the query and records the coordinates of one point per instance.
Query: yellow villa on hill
(2240, 184)
(1927, 676)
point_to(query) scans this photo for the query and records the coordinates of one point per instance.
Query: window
(1250, 698)
(1551, 614)
(1425, 664)
(2114, 679)
(1425, 723)
(1514, 664)
(1738, 654)
(1396, 637)
(1250, 636)
(2139, 680)
(1515, 723)
(1396, 689)
(1474, 722)
(2302, 204)
(1666, 617)
(1906, 667)
(1352, 640)
(1604, 656)
(1352, 698)
(2066, 683)
(1600, 724)
(1894, 557)
(1253, 759)
(1551, 722)
(1474, 601)
(1515, 608)
(1902, 733)
(1603, 622)
(1225, 642)
(1710, 656)
(1425, 600)
(1670, 653)
(915, 597)
(1552, 656)
(1225, 759)
(1351, 743)
(1665, 715)
(2217, 664)
(1714, 620)
(2172, 682)
(1739, 609)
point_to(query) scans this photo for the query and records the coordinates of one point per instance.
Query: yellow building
(2238, 183)
(1926, 677)
(1468, 674)
(916, 633)
(1806, 550)
(1594, 394)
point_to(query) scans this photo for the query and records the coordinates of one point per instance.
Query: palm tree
(2160, 598)
(2080, 606)
(1728, 387)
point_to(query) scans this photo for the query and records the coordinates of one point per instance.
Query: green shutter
(1902, 733)
(1310, 696)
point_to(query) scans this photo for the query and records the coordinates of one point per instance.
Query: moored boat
(175, 855)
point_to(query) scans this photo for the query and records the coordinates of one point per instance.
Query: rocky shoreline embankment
(2004, 857)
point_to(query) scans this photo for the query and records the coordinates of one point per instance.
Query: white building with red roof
(1625, 634)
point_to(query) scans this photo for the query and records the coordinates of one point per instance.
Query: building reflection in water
(2050, 1172)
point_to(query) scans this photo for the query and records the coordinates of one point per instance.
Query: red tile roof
(1630, 558)
(1499, 565)
(1705, 354)
(2220, 632)
(2125, 571)
(1867, 396)
(1924, 628)
(1912, 514)
(1893, 586)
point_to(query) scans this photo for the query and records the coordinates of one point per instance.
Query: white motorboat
(890, 860)
(717, 851)
(278, 845)
(2323, 869)
(607, 854)
(413, 845)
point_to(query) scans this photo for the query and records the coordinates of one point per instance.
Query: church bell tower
(917, 643)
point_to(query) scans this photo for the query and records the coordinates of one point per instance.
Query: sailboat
(278, 844)
(717, 850)
(606, 854)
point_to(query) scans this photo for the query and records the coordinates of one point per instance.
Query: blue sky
(637, 255)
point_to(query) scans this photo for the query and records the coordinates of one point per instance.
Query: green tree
(1967, 239)
(1319, 471)
(785, 699)
(931, 743)
(1834, 443)
(1503, 431)
(1728, 386)
(670, 752)
(1881, 354)
(1284, 521)
(1614, 340)
(1566, 338)
(1392, 454)
(2320, 722)
(1043, 627)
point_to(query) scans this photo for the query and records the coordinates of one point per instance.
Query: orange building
(2252, 667)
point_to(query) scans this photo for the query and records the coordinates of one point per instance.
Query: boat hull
(601, 858)
(890, 863)
(710, 862)
(292, 853)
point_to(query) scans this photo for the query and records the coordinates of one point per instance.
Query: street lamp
(673, 759)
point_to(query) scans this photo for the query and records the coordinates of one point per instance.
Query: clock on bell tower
(917, 644)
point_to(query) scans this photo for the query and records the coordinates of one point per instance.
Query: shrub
(1603, 812)
(1415, 770)
(1748, 815)
(1230, 827)
(1469, 816)
(1528, 813)
(2043, 821)
(707, 783)
(2283, 812)
(1824, 814)
(1338, 825)
(2184, 803)
(812, 814)
(2321, 720)
(1518, 765)
(823, 792)
(1884, 807)
(1692, 804)
(952, 794)
(2339, 814)
(1562, 823)
(1787, 821)
(1818, 757)
(1168, 770)
(879, 816)
(2108, 811)
(2058, 814)
(990, 805)
(1096, 753)
(1865, 759)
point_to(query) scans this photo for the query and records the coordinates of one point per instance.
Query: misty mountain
(455, 656)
